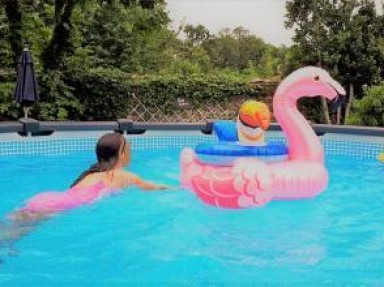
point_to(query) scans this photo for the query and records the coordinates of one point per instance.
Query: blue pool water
(159, 238)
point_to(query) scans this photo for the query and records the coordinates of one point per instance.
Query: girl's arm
(143, 184)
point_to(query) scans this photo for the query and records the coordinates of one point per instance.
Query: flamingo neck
(302, 140)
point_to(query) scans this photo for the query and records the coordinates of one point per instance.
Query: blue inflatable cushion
(233, 149)
(226, 131)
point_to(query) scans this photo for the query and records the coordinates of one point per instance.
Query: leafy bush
(311, 109)
(108, 94)
(102, 94)
(100, 48)
(9, 109)
(157, 91)
(57, 101)
(370, 109)
(115, 36)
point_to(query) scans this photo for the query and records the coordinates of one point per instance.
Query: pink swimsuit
(51, 201)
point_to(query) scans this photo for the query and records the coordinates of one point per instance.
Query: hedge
(103, 94)
(107, 96)
(369, 111)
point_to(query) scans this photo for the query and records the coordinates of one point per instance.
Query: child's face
(125, 154)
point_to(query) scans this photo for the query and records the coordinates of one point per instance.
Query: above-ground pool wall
(31, 137)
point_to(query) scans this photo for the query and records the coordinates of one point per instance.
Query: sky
(264, 18)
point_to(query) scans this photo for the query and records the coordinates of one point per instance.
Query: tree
(5, 50)
(236, 49)
(13, 12)
(115, 39)
(129, 38)
(370, 109)
(356, 47)
(343, 36)
(79, 36)
(60, 42)
(310, 35)
(146, 4)
(197, 34)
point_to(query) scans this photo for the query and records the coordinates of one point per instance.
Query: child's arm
(143, 184)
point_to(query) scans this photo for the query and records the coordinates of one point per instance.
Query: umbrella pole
(26, 112)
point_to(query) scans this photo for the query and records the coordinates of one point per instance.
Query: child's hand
(163, 187)
(167, 187)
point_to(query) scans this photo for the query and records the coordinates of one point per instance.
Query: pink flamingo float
(251, 182)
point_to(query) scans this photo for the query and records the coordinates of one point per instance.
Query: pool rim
(32, 127)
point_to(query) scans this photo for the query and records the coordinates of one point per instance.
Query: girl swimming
(103, 178)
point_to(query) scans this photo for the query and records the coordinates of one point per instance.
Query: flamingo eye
(316, 78)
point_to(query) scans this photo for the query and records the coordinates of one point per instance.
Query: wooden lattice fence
(185, 111)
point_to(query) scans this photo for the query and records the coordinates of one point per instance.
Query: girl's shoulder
(123, 173)
(124, 178)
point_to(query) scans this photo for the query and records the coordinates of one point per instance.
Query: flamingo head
(310, 82)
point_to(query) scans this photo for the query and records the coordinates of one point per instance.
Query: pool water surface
(160, 238)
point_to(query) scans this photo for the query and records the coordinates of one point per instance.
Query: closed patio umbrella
(26, 92)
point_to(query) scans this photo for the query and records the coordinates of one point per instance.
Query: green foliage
(107, 95)
(5, 49)
(345, 37)
(12, 10)
(238, 50)
(235, 49)
(102, 93)
(273, 61)
(355, 50)
(197, 89)
(56, 99)
(37, 29)
(91, 56)
(370, 109)
(130, 39)
(197, 34)
(187, 60)
(8, 108)
(311, 109)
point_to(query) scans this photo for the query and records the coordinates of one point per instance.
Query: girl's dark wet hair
(107, 150)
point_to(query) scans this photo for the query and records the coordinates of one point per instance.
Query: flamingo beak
(337, 87)
(341, 93)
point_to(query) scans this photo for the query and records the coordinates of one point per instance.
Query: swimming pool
(172, 237)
